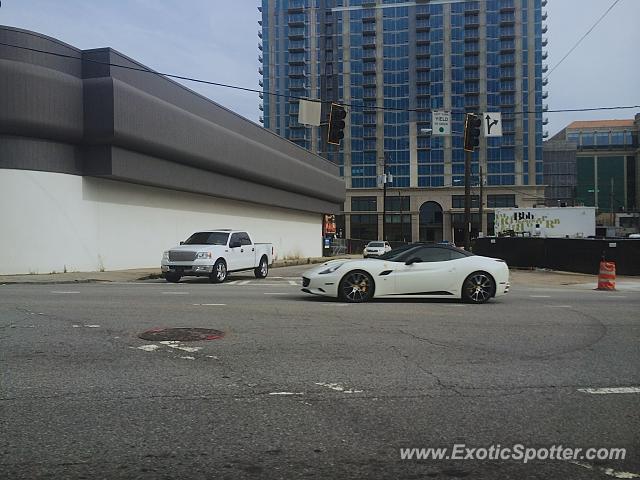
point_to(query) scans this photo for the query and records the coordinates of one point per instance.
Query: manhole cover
(181, 334)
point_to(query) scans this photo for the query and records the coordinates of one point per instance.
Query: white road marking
(233, 282)
(607, 471)
(291, 282)
(286, 393)
(540, 296)
(559, 306)
(178, 346)
(175, 293)
(92, 326)
(610, 390)
(244, 282)
(189, 358)
(338, 388)
(75, 326)
(210, 304)
(212, 356)
(271, 293)
(148, 348)
(62, 292)
(336, 304)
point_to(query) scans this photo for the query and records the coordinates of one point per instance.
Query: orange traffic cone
(607, 276)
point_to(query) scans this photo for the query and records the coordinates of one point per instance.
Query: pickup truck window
(207, 238)
(244, 238)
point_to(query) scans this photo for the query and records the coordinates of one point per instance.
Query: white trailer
(552, 222)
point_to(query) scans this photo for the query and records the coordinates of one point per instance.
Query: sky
(217, 40)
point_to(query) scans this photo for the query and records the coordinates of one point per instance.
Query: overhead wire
(253, 90)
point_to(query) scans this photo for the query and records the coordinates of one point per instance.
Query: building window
(364, 227)
(457, 201)
(364, 204)
(498, 201)
(397, 204)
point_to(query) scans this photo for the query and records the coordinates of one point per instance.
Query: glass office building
(392, 63)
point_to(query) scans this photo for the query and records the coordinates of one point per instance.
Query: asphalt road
(305, 387)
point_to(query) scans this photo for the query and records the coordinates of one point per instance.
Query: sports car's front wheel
(356, 287)
(478, 287)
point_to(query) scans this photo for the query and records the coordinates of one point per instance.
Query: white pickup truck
(215, 253)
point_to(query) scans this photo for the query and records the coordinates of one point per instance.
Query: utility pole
(386, 178)
(612, 215)
(401, 219)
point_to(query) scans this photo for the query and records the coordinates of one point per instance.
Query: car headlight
(165, 255)
(331, 269)
(203, 255)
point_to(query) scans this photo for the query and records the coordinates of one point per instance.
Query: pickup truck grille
(181, 256)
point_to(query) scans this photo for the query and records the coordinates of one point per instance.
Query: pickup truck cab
(215, 253)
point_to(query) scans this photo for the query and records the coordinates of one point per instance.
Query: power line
(253, 90)
(583, 36)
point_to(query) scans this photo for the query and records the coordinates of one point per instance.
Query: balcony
(260, 8)
(545, 94)
(544, 15)
(260, 94)
(260, 71)
(544, 29)
(368, 29)
(260, 82)
(422, 51)
(545, 134)
(296, 46)
(296, 20)
(545, 54)
(545, 41)
(368, 42)
(259, 33)
(295, 72)
(545, 68)
(261, 107)
(295, 6)
(296, 33)
(545, 107)
(422, 25)
(545, 121)
(260, 59)
(261, 119)
(296, 59)
(260, 46)
(545, 81)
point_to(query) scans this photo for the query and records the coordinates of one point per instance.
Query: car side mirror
(181, 243)
(413, 260)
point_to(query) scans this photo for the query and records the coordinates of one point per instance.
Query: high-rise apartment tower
(392, 63)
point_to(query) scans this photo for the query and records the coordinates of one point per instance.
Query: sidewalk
(133, 274)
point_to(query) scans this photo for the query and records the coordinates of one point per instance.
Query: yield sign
(492, 124)
(440, 123)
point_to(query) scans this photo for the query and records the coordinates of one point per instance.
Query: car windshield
(397, 254)
(208, 238)
(375, 244)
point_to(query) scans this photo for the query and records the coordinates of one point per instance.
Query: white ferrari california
(413, 271)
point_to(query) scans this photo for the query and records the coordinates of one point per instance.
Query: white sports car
(413, 271)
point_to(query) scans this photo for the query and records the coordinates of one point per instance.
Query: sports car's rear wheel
(478, 287)
(356, 287)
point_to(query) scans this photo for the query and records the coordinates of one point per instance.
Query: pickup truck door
(241, 255)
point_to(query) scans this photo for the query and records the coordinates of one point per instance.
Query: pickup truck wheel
(219, 273)
(172, 277)
(262, 270)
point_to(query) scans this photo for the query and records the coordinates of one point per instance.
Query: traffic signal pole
(467, 200)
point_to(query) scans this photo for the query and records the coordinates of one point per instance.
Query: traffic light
(335, 131)
(472, 125)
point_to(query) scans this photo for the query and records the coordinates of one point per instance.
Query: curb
(277, 264)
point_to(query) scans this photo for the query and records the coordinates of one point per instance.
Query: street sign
(492, 123)
(441, 123)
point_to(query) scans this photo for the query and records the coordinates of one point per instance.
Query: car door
(432, 271)
(247, 251)
(235, 252)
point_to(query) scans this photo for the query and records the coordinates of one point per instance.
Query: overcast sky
(217, 40)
